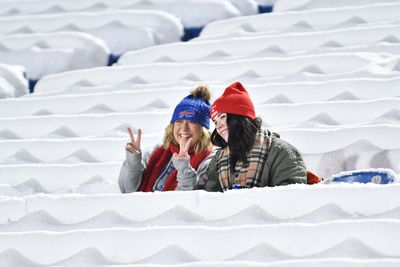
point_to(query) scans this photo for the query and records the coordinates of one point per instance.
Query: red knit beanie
(234, 100)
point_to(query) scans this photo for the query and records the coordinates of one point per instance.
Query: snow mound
(12, 81)
(318, 19)
(121, 30)
(46, 53)
(295, 68)
(266, 45)
(287, 5)
(193, 13)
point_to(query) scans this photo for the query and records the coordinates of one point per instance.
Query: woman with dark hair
(249, 156)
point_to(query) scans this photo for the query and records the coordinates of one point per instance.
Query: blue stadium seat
(379, 176)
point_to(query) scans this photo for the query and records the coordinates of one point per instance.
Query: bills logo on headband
(187, 114)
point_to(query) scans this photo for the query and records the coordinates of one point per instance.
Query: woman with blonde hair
(180, 159)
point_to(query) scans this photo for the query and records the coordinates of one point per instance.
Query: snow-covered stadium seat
(47, 53)
(376, 176)
(116, 99)
(302, 21)
(289, 5)
(194, 14)
(121, 30)
(316, 115)
(294, 68)
(190, 12)
(246, 7)
(345, 219)
(380, 38)
(341, 143)
(12, 81)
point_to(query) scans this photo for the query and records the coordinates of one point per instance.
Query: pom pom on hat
(195, 107)
(234, 100)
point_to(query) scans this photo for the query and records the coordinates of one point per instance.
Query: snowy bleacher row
(339, 106)
(121, 30)
(382, 38)
(332, 114)
(318, 67)
(46, 44)
(264, 233)
(116, 98)
(290, 5)
(194, 13)
(122, 25)
(274, 49)
(303, 21)
(373, 38)
(366, 148)
(47, 53)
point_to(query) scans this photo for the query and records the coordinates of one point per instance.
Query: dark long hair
(242, 135)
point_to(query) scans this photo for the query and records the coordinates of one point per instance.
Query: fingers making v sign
(184, 145)
(134, 145)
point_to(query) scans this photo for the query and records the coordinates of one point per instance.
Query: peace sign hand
(184, 145)
(134, 145)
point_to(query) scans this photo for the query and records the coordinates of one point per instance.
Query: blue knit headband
(193, 109)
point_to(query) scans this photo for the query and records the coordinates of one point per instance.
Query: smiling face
(221, 125)
(184, 129)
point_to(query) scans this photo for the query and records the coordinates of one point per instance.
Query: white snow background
(324, 74)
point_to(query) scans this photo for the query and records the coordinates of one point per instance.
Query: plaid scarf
(249, 173)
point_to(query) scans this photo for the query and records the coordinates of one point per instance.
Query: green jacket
(284, 165)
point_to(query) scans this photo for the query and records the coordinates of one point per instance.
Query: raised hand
(184, 145)
(134, 145)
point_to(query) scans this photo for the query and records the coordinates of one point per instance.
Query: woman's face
(184, 129)
(221, 125)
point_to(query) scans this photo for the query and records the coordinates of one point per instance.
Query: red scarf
(159, 159)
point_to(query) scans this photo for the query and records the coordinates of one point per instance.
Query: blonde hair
(201, 92)
(202, 144)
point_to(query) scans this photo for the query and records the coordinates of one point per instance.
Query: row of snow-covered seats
(54, 67)
(185, 10)
(122, 30)
(371, 38)
(324, 114)
(116, 98)
(68, 41)
(255, 70)
(12, 81)
(303, 21)
(48, 53)
(193, 14)
(196, 228)
(117, 23)
(290, 5)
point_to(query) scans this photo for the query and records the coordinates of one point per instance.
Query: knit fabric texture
(193, 109)
(234, 100)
